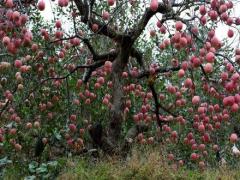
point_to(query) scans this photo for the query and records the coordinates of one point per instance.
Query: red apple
(111, 2)
(179, 25)
(154, 5)
(41, 5)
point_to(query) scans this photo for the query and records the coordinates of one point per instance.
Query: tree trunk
(111, 135)
(116, 112)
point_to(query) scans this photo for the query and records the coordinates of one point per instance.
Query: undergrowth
(140, 164)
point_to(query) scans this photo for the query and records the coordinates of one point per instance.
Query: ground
(141, 164)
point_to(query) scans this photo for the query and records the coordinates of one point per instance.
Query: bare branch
(159, 70)
(159, 105)
(155, 97)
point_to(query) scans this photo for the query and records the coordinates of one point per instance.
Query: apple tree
(110, 73)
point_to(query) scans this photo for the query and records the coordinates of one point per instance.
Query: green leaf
(5, 161)
(57, 135)
(32, 167)
(42, 169)
(30, 178)
(188, 14)
(52, 163)
(196, 8)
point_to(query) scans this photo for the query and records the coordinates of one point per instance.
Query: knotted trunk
(111, 135)
(116, 112)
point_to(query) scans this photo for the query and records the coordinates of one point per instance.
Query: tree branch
(159, 105)
(159, 70)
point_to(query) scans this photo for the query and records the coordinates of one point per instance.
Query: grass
(147, 166)
(141, 164)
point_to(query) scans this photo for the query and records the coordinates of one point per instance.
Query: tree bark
(110, 137)
(116, 112)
